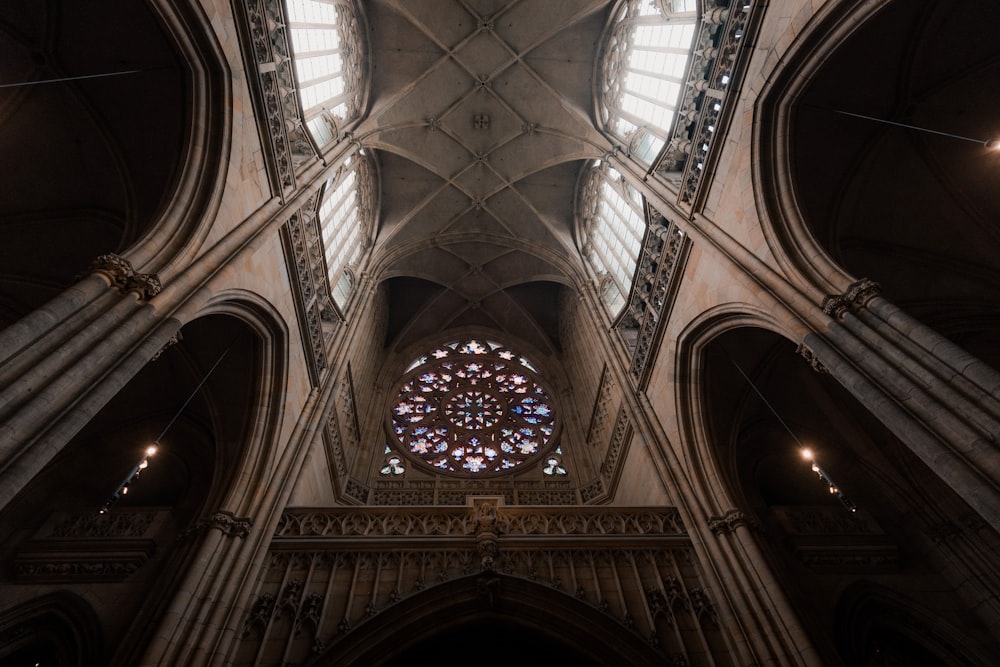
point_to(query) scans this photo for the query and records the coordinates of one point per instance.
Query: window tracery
(613, 227)
(643, 72)
(327, 44)
(473, 407)
(346, 218)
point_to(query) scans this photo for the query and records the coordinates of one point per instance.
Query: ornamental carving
(657, 279)
(717, 58)
(729, 522)
(810, 357)
(469, 521)
(110, 524)
(591, 555)
(228, 523)
(307, 270)
(122, 277)
(855, 297)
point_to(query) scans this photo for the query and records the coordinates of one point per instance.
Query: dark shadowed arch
(432, 623)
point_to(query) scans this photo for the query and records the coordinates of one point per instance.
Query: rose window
(473, 407)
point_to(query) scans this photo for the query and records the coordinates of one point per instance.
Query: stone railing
(657, 278)
(318, 317)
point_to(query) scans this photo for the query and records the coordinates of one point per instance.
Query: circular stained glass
(473, 407)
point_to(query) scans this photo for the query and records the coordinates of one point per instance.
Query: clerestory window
(643, 72)
(475, 407)
(326, 43)
(613, 224)
(346, 219)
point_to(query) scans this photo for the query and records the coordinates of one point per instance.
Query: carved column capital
(857, 295)
(810, 357)
(122, 277)
(144, 285)
(229, 524)
(173, 340)
(114, 268)
(729, 522)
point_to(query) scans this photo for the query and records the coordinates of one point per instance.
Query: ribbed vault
(481, 117)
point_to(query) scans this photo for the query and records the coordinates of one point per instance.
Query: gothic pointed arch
(56, 628)
(119, 138)
(412, 627)
(128, 515)
(887, 176)
(789, 456)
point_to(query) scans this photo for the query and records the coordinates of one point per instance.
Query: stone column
(940, 401)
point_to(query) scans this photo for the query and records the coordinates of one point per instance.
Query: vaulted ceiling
(482, 116)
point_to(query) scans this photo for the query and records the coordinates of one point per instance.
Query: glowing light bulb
(151, 450)
(993, 144)
(807, 454)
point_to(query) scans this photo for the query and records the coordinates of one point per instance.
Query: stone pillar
(774, 631)
(940, 401)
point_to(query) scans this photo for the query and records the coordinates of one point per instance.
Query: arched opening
(101, 127)
(877, 628)
(862, 508)
(866, 136)
(199, 403)
(513, 617)
(57, 629)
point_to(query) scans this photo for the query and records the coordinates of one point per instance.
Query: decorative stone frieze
(631, 563)
(118, 524)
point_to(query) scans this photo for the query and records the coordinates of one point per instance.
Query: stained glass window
(346, 217)
(613, 226)
(643, 72)
(327, 45)
(473, 407)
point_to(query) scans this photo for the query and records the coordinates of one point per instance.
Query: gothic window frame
(627, 83)
(613, 222)
(446, 423)
(346, 217)
(328, 45)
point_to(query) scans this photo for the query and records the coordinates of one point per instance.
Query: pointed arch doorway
(486, 620)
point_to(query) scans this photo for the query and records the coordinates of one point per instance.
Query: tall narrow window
(644, 70)
(326, 42)
(346, 217)
(613, 226)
